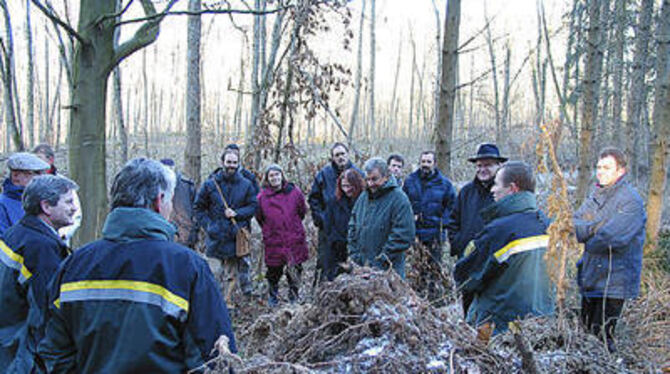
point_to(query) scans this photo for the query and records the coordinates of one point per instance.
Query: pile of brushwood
(372, 321)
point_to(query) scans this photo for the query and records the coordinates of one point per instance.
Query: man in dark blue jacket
(611, 224)
(504, 265)
(225, 196)
(30, 253)
(465, 221)
(134, 301)
(322, 195)
(22, 168)
(432, 197)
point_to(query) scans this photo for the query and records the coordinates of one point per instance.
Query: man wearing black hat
(465, 221)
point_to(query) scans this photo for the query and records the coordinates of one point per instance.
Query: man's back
(11, 210)
(140, 306)
(506, 269)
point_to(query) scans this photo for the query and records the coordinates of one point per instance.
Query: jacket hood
(130, 224)
(11, 190)
(515, 203)
(390, 184)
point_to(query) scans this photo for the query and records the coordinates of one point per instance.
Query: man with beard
(432, 197)
(30, 253)
(225, 197)
(465, 221)
(322, 195)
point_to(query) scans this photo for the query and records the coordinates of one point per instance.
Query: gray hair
(47, 188)
(377, 163)
(140, 182)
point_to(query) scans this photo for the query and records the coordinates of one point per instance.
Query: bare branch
(204, 11)
(319, 99)
(473, 37)
(117, 14)
(145, 35)
(477, 79)
(53, 17)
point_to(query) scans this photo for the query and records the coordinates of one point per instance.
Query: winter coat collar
(484, 185)
(607, 190)
(390, 184)
(337, 170)
(221, 176)
(516, 203)
(11, 190)
(130, 224)
(40, 226)
(286, 188)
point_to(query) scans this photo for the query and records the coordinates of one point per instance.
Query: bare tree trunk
(30, 79)
(239, 101)
(494, 77)
(394, 106)
(660, 143)
(619, 42)
(592, 80)
(539, 73)
(8, 73)
(192, 153)
(638, 94)
(410, 125)
(288, 84)
(373, 53)
(116, 98)
(438, 60)
(357, 80)
(145, 101)
(255, 86)
(506, 89)
(444, 132)
(45, 123)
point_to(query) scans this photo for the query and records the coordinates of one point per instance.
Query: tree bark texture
(660, 146)
(192, 153)
(444, 132)
(638, 93)
(591, 84)
(358, 78)
(30, 79)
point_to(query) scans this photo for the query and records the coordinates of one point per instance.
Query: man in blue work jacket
(134, 301)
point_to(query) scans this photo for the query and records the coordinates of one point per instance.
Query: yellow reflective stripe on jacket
(521, 245)
(119, 289)
(14, 260)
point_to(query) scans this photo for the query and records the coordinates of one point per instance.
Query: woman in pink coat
(281, 209)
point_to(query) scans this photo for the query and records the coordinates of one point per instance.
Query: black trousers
(335, 254)
(598, 313)
(293, 276)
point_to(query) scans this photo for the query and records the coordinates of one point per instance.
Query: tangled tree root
(372, 321)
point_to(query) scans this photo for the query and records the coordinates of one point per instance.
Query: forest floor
(372, 321)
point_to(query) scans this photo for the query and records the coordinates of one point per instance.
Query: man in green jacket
(381, 227)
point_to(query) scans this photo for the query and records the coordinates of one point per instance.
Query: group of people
(136, 300)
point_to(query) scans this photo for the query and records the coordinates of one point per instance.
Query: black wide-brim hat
(487, 150)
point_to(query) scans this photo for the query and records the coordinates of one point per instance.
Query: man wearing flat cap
(465, 221)
(22, 167)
